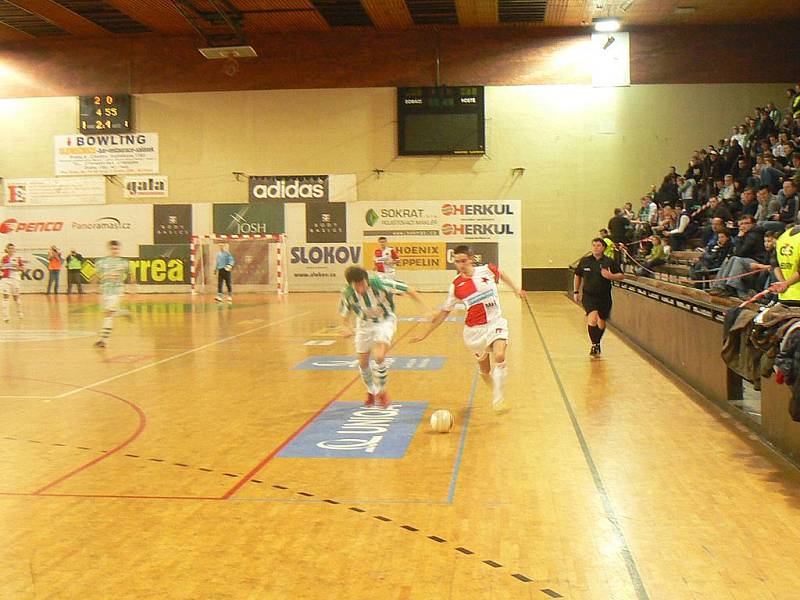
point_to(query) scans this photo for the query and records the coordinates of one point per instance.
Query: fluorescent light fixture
(606, 25)
(228, 52)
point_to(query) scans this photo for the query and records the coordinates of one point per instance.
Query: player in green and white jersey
(112, 271)
(371, 300)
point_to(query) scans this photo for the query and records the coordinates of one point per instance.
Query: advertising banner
(326, 223)
(44, 191)
(320, 267)
(172, 223)
(302, 188)
(414, 256)
(162, 264)
(146, 186)
(87, 229)
(106, 154)
(248, 219)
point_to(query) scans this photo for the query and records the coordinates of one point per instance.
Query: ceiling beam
(477, 13)
(388, 14)
(10, 34)
(61, 17)
(157, 15)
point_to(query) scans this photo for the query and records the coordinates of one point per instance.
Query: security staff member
(596, 272)
(787, 267)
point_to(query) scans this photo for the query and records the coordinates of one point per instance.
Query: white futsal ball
(442, 421)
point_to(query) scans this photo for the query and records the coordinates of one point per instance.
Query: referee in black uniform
(596, 271)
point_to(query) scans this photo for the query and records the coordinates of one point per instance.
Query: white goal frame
(279, 239)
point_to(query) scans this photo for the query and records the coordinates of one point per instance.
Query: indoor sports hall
(403, 299)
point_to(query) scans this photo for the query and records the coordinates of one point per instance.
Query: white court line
(159, 362)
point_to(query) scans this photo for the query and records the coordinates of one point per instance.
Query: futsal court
(173, 464)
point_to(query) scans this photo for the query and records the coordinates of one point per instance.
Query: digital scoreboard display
(105, 113)
(440, 121)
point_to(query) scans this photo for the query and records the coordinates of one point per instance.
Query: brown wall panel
(351, 58)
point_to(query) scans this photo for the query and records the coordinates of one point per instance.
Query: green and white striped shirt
(112, 272)
(376, 304)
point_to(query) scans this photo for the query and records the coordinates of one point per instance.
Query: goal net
(259, 263)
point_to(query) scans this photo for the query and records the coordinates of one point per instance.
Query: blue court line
(627, 555)
(457, 467)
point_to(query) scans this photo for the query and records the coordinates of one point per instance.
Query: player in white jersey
(386, 259)
(11, 283)
(485, 329)
(112, 271)
(371, 300)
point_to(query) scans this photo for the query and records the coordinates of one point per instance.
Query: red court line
(133, 436)
(111, 496)
(245, 478)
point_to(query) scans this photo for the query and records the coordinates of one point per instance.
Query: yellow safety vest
(788, 253)
(609, 251)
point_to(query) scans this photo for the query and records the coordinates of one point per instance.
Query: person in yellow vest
(610, 250)
(787, 269)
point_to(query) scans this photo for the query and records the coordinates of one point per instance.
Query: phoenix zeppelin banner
(106, 154)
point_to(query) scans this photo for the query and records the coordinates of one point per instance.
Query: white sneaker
(499, 405)
(218, 299)
(230, 299)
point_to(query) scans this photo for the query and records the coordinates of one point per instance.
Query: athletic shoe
(6, 320)
(383, 398)
(230, 299)
(370, 400)
(595, 351)
(218, 299)
(599, 351)
(100, 344)
(499, 405)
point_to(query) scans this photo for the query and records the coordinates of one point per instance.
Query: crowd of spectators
(731, 201)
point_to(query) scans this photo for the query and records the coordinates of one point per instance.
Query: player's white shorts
(8, 285)
(110, 302)
(368, 333)
(479, 337)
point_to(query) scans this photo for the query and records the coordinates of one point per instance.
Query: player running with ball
(485, 330)
(112, 271)
(371, 300)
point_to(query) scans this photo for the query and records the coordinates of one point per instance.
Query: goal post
(259, 262)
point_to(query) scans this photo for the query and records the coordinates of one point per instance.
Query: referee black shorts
(601, 304)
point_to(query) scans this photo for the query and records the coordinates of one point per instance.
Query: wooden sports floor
(154, 469)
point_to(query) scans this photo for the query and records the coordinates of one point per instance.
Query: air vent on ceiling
(27, 22)
(522, 11)
(104, 15)
(343, 13)
(433, 12)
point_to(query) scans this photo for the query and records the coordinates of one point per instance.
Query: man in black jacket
(748, 251)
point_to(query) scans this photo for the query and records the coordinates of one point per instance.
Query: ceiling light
(606, 25)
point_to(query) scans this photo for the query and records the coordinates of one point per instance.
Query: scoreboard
(441, 121)
(105, 113)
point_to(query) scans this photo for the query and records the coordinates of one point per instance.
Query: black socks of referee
(596, 334)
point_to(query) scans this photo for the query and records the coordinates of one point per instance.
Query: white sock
(381, 374)
(19, 306)
(499, 374)
(366, 376)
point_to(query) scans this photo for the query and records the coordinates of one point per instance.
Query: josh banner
(326, 223)
(172, 223)
(302, 188)
(146, 186)
(109, 154)
(54, 191)
(248, 219)
(161, 264)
